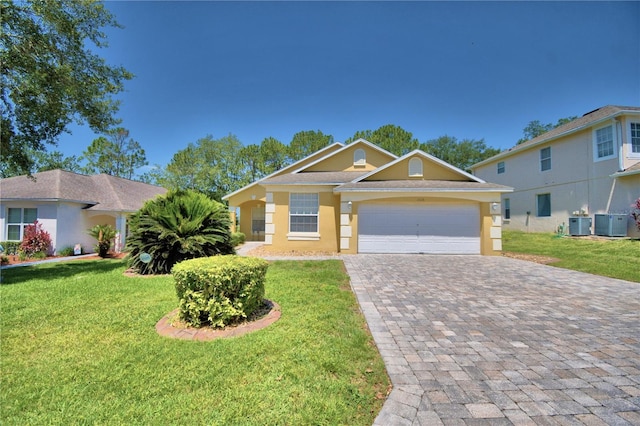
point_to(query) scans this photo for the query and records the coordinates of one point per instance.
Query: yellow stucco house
(359, 198)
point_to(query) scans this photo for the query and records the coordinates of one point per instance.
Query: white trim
(303, 236)
(630, 153)
(277, 172)
(413, 171)
(345, 147)
(360, 160)
(316, 215)
(545, 159)
(518, 148)
(614, 142)
(426, 156)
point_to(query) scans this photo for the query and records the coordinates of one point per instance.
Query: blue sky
(465, 69)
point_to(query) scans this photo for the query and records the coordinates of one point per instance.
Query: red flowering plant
(36, 242)
(636, 212)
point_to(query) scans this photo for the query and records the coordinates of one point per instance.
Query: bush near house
(36, 242)
(10, 247)
(219, 290)
(178, 226)
(104, 234)
(238, 238)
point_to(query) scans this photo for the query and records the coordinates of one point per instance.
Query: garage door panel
(419, 229)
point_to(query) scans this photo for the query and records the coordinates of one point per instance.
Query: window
(501, 167)
(545, 159)
(604, 146)
(303, 212)
(359, 157)
(544, 205)
(415, 167)
(17, 220)
(257, 220)
(635, 138)
(507, 208)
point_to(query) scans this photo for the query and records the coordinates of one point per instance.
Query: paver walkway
(474, 340)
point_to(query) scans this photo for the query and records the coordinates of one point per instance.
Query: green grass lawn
(78, 346)
(618, 258)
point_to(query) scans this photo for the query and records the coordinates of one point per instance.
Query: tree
(306, 143)
(210, 166)
(273, 154)
(42, 161)
(50, 75)
(252, 160)
(389, 137)
(115, 156)
(535, 128)
(462, 154)
(55, 160)
(177, 226)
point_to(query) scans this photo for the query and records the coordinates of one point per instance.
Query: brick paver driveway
(492, 340)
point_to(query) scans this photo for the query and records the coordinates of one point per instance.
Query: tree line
(51, 76)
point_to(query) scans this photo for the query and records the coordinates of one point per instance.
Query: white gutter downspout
(618, 125)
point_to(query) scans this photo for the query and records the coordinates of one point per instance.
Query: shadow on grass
(60, 270)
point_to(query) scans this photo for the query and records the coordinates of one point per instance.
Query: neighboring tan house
(68, 204)
(589, 165)
(359, 198)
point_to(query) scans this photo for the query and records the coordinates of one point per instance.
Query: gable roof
(359, 141)
(471, 184)
(426, 156)
(282, 170)
(313, 178)
(99, 192)
(587, 120)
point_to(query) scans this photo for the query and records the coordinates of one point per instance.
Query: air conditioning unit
(579, 226)
(611, 225)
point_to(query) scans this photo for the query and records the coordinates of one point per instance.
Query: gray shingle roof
(579, 123)
(313, 178)
(421, 185)
(101, 192)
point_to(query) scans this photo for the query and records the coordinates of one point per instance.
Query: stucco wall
(574, 182)
(344, 161)
(277, 223)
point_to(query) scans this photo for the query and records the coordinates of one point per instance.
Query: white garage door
(434, 228)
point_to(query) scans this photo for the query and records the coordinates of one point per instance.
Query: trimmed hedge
(219, 290)
(237, 238)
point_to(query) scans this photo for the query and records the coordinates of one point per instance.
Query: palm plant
(104, 234)
(178, 226)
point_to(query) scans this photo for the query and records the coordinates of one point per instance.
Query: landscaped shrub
(237, 238)
(219, 290)
(104, 234)
(10, 247)
(178, 226)
(636, 213)
(66, 251)
(35, 240)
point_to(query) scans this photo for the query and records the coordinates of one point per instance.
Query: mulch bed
(544, 260)
(15, 260)
(171, 326)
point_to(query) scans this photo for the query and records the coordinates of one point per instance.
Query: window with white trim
(603, 143)
(17, 220)
(415, 167)
(635, 138)
(545, 159)
(359, 157)
(543, 202)
(501, 167)
(507, 209)
(303, 212)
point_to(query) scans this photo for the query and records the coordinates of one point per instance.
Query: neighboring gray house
(68, 204)
(589, 165)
